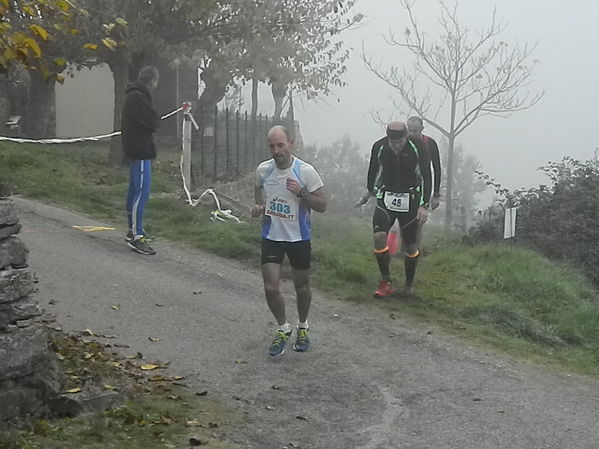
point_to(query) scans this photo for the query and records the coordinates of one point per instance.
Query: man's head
(415, 127)
(397, 135)
(149, 76)
(280, 145)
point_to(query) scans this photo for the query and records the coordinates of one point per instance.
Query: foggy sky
(510, 149)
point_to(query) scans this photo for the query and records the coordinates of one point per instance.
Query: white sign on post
(509, 226)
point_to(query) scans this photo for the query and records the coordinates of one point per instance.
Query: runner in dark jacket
(399, 176)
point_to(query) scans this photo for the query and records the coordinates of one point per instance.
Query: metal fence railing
(229, 144)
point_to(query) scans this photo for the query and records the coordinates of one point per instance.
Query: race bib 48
(397, 202)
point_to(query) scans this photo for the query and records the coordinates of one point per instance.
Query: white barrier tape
(82, 139)
(52, 141)
(218, 214)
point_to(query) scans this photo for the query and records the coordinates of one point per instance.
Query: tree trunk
(449, 183)
(279, 90)
(449, 189)
(214, 91)
(120, 74)
(41, 108)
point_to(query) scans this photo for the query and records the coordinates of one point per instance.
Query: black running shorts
(298, 253)
(383, 219)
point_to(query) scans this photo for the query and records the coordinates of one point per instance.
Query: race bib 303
(280, 208)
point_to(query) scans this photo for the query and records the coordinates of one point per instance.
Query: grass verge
(507, 297)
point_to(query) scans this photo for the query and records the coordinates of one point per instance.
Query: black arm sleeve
(373, 167)
(144, 113)
(425, 169)
(433, 151)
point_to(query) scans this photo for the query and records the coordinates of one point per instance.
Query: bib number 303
(397, 202)
(280, 209)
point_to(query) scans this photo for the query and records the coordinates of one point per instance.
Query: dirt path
(370, 382)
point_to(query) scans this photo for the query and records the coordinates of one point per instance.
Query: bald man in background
(415, 128)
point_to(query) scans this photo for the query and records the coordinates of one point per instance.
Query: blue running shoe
(302, 342)
(278, 344)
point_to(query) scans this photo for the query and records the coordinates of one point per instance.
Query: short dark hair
(148, 74)
(416, 119)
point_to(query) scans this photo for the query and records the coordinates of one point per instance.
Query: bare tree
(458, 77)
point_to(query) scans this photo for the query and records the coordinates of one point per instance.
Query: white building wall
(84, 103)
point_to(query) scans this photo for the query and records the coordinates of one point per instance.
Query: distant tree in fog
(467, 185)
(343, 168)
(458, 77)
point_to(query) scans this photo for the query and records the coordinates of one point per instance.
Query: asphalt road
(370, 381)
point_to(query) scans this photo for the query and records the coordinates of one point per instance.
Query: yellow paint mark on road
(93, 228)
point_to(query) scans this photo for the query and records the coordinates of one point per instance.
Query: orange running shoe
(385, 289)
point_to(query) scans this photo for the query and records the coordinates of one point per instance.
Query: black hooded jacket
(138, 123)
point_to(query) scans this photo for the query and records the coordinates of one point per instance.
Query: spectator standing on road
(286, 190)
(139, 121)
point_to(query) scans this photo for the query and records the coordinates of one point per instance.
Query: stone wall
(29, 375)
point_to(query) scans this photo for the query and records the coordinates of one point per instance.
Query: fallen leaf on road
(88, 332)
(158, 378)
(149, 366)
(159, 305)
(115, 307)
(205, 393)
(301, 418)
(154, 339)
(194, 423)
(73, 390)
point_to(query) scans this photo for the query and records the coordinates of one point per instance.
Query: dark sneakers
(302, 342)
(278, 344)
(142, 246)
(129, 236)
(407, 292)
